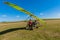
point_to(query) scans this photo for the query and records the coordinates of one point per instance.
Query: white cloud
(27, 15)
(17, 16)
(4, 15)
(41, 14)
(58, 14)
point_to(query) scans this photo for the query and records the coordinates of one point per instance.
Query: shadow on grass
(10, 30)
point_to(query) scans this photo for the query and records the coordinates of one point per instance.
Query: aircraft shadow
(11, 30)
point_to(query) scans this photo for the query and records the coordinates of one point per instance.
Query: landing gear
(29, 28)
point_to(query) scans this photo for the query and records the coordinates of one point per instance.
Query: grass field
(50, 32)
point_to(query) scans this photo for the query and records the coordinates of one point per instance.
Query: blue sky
(40, 8)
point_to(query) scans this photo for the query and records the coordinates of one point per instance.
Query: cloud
(17, 16)
(4, 15)
(58, 14)
(41, 14)
(27, 16)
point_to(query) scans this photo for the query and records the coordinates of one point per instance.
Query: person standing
(35, 24)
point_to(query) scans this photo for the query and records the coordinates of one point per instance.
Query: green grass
(50, 32)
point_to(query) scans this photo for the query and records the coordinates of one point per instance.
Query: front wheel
(29, 27)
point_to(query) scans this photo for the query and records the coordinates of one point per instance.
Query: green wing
(24, 11)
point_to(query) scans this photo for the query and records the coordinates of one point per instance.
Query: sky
(40, 8)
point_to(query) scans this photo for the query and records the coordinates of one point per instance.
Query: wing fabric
(24, 11)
